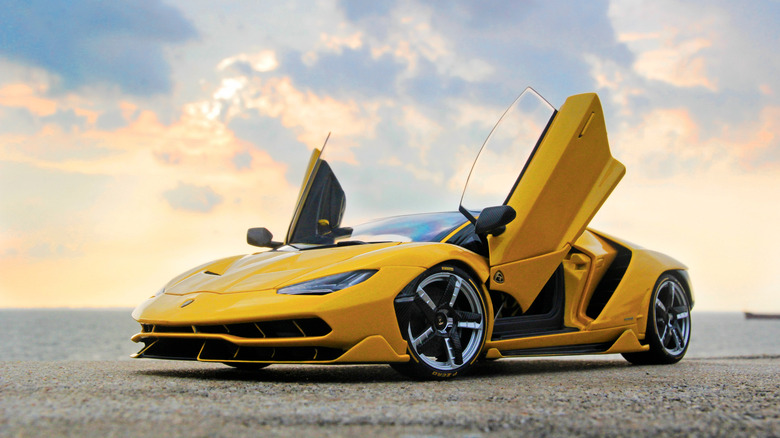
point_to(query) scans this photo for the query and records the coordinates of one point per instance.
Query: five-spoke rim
(447, 321)
(672, 317)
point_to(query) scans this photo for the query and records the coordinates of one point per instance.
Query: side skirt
(627, 342)
(560, 350)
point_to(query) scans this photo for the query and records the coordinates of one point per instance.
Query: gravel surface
(529, 397)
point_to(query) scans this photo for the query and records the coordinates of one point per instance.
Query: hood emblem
(186, 303)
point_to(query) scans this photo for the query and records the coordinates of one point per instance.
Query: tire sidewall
(416, 364)
(652, 328)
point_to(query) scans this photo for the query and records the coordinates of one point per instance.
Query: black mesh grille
(173, 329)
(313, 326)
(248, 330)
(288, 328)
(224, 351)
(183, 349)
(214, 329)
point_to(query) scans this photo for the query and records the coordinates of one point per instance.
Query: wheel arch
(480, 274)
(482, 287)
(685, 280)
(419, 366)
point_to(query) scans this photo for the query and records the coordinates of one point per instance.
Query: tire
(247, 366)
(668, 325)
(442, 317)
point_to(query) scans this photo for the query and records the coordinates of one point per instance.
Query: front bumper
(356, 325)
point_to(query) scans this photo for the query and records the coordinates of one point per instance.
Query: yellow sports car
(514, 272)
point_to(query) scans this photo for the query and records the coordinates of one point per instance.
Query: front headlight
(159, 292)
(326, 285)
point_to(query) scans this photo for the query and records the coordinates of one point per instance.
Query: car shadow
(287, 374)
(531, 366)
(362, 374)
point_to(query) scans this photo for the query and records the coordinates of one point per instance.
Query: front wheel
(442, 317)
(668, 324)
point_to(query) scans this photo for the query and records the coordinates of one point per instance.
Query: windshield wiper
(350, 242)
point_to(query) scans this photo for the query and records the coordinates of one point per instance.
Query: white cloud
(413, 38)
(309, 115)
(622, 84)
(423, 132)
(263, 61)
(677, 43)
(193, 197)
(677, 63)
(668, 142)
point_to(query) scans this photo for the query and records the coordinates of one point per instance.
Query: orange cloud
(677, 64)
(125, 238)
(668, 141)
(758, 144)
(22, 95)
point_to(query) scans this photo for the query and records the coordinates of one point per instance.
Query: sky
(141, 138)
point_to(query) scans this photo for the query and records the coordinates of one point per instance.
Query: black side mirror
(261, 237)
(493, 220)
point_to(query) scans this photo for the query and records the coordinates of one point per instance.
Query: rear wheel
(668, 324)
(442, 317)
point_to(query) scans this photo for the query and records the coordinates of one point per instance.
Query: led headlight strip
(326, 285)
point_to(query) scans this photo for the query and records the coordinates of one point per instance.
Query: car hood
(269, 270)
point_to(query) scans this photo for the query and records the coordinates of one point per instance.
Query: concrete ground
(527, 397)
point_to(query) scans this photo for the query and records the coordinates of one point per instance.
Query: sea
(104, 334)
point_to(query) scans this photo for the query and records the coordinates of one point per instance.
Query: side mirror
(261, 237)
(493, 220)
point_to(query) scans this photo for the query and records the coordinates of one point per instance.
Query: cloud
(190, 197)
(716, 45)
(349, 72)
(262, 61)
(668, 142)
(677, 63)
(89, 41)
(620, 82)
(31, 195)
(409, 89)
(413, 38)
(758, 143)
(358, 9)
(309, 115)
(22, 95)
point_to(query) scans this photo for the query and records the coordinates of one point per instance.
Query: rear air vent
(610, 281)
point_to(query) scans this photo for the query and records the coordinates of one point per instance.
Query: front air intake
(218, 350)
(287, 328)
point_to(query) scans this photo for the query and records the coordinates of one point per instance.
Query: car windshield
(426, 227)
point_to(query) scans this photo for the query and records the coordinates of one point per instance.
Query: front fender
(415, 254)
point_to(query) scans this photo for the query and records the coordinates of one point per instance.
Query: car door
(566, 178)
(320, 207)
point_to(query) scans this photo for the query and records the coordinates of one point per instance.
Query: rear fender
(631, 300)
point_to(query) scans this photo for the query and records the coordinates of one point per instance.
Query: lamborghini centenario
(513, 272)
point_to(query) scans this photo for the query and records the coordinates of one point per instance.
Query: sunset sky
(141, 138)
